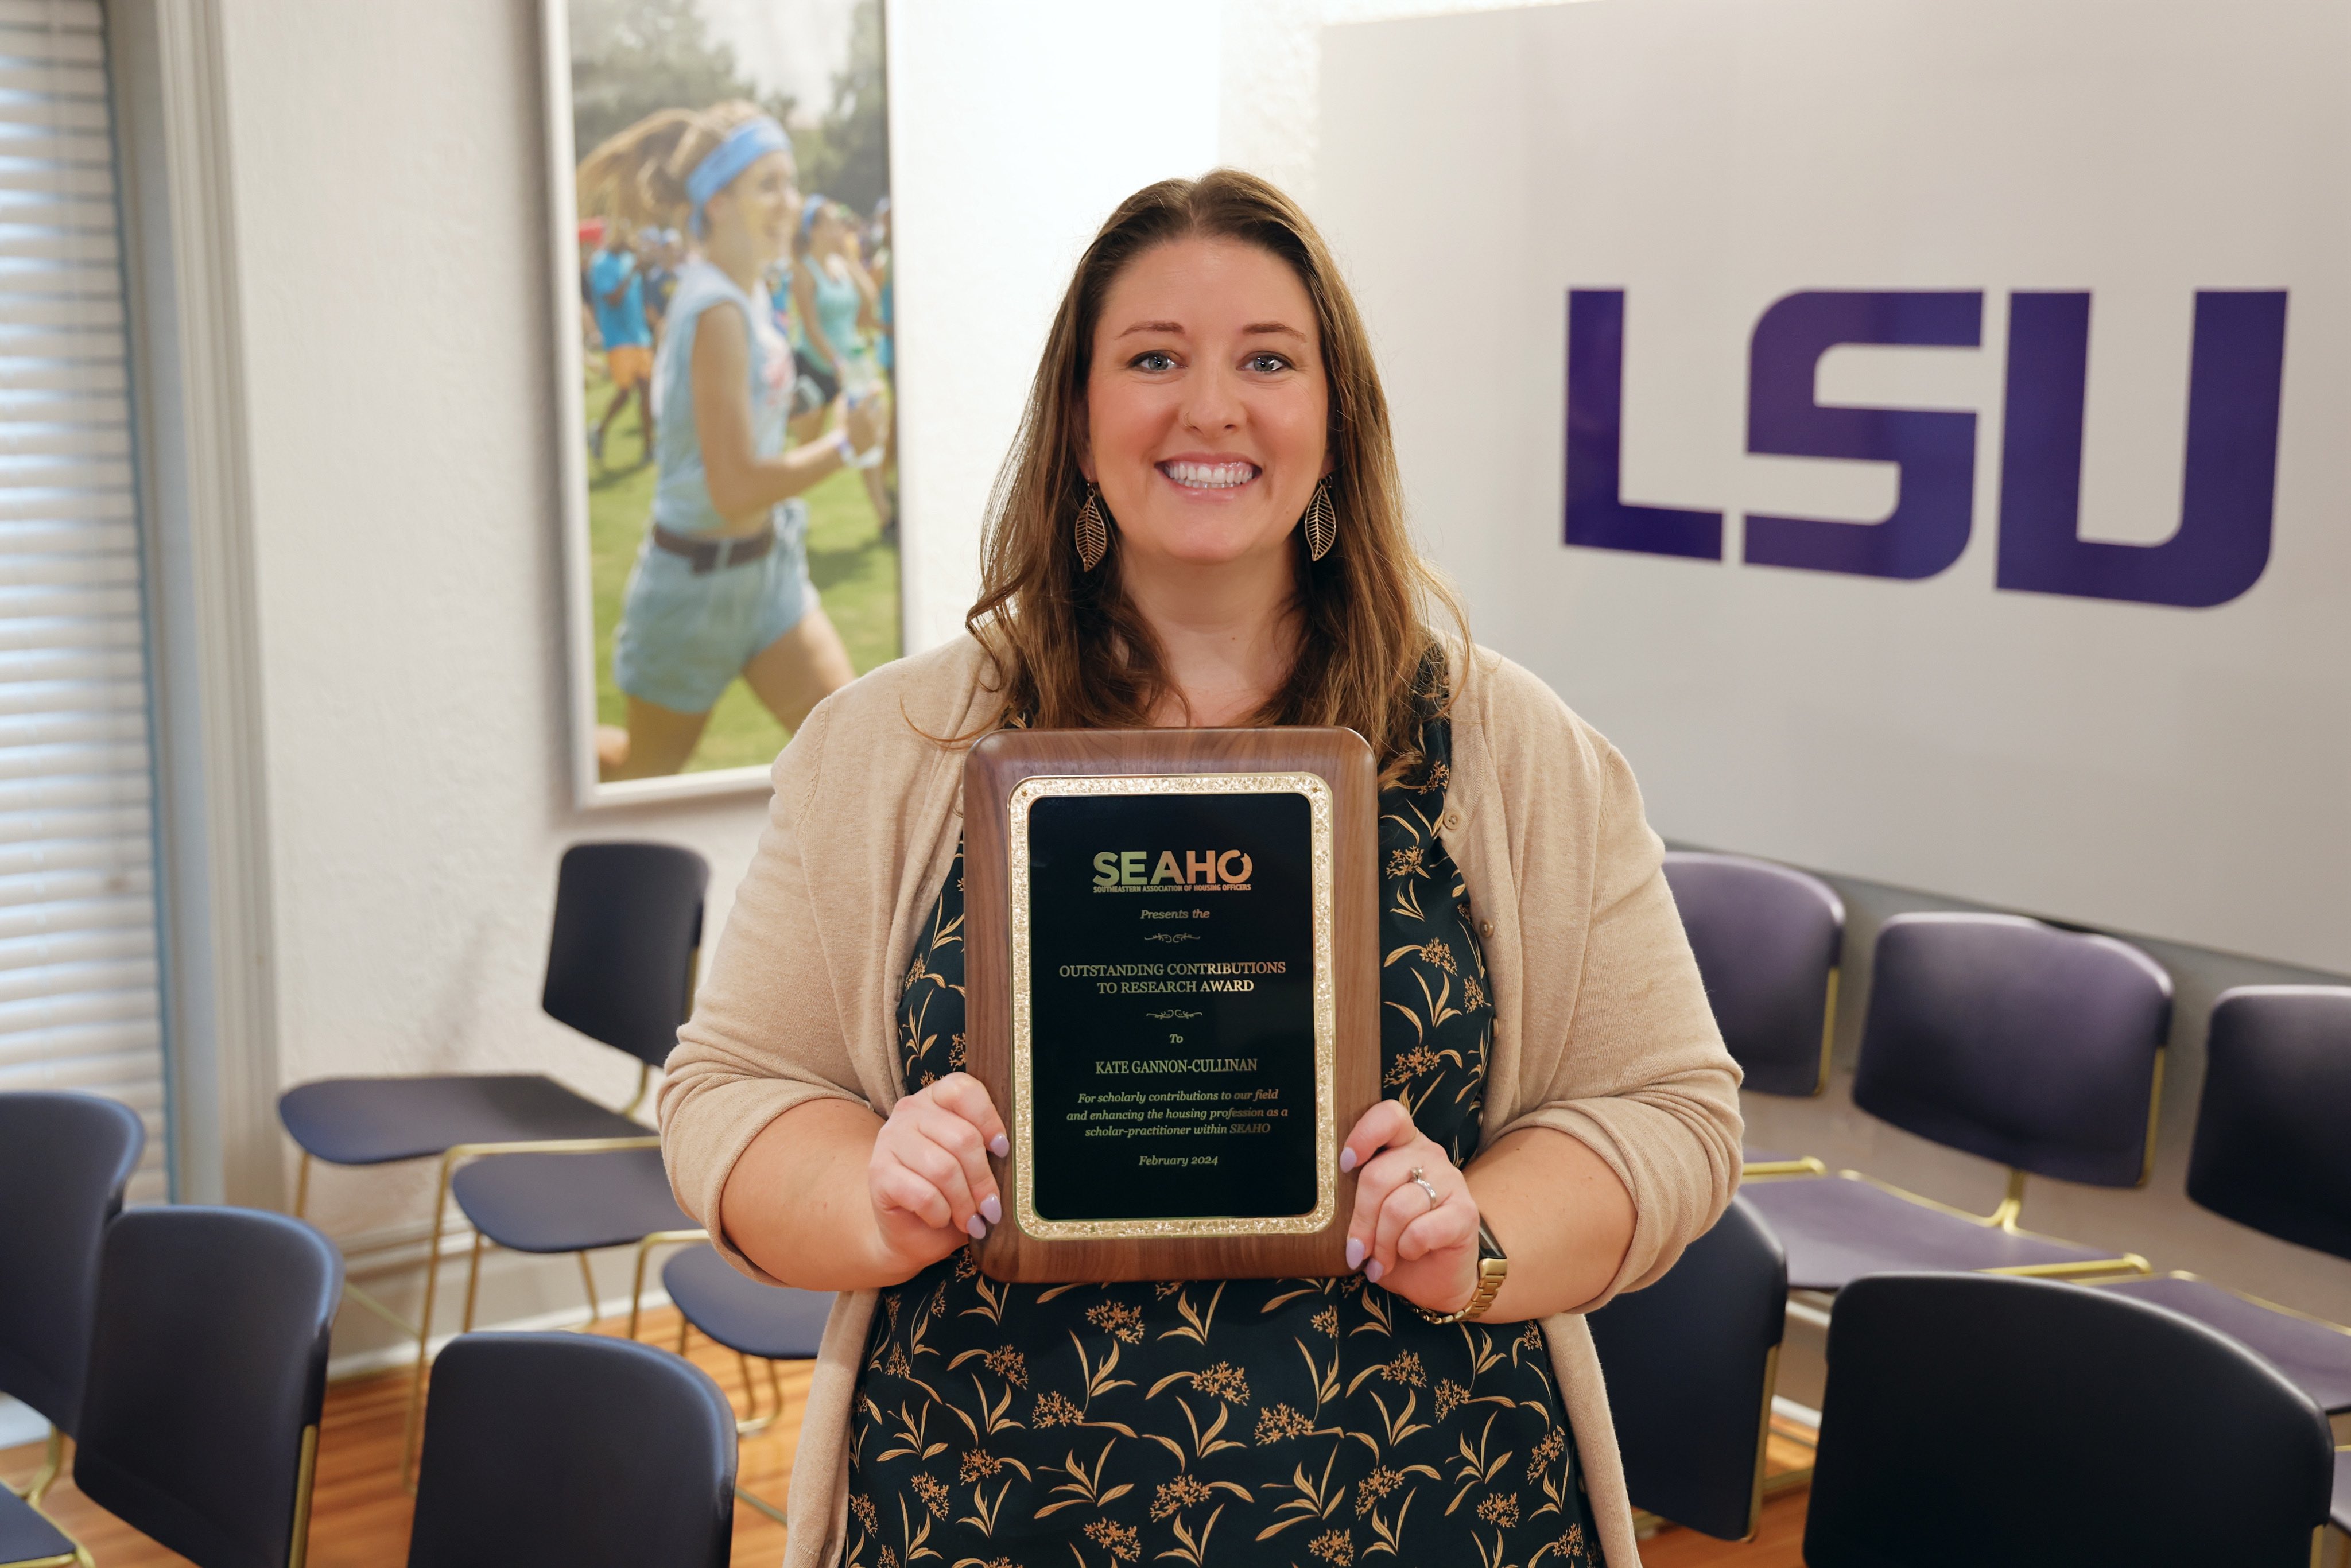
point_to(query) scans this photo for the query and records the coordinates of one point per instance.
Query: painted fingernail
(978, 1231)
(1372, 1271)
(1354, 1253)
(1000, 1147)
(1346, 1159)
(993, 1208)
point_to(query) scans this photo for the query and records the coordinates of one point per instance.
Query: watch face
(1487, 1246)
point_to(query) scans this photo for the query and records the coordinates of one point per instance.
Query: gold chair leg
(762, 1504)
(302, 1188)
(53, 1462)
(595, 1307)
(473, 1284)
(680, 1333)
(424, 1326)
(646, 1245)
(306, 1482)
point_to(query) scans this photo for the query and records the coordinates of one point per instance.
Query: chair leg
(646, 1245)
(762, 1504)
(53, 1462)
(752, 1423)
(306, 1481)
(302, 1187)
(425, 1324)
(473, 1284)
(595, 1307)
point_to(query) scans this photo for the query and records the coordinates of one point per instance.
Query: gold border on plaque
(1321, 898)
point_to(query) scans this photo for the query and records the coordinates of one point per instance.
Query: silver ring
(1419, 1178)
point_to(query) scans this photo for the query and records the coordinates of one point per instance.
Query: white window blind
(79, 1001)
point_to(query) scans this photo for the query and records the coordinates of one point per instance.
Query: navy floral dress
(1296, 1422)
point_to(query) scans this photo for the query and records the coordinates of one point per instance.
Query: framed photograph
(725, 369)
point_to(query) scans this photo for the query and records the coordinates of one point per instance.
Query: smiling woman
(1199, 525)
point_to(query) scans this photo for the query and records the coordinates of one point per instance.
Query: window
(80, 1005)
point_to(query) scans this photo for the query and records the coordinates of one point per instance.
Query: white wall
(1013, 133)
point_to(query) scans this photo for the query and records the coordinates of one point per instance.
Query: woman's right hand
(861, 419)
(928, 1178)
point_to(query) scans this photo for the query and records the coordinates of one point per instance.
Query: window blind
(80, 1005)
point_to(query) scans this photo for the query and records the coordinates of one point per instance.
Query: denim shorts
(685, 634)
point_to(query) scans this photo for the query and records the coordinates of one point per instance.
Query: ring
(1419, 1178)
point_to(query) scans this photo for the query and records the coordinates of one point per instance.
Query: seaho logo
(2235, 374)
(1202, 870)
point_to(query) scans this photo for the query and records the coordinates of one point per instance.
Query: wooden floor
(360, 1518)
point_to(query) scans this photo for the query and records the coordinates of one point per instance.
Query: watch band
(1493, 1267)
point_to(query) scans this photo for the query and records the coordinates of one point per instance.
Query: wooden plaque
(1172, 994)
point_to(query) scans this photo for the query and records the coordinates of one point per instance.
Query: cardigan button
(1452, 820)
(1484, 928)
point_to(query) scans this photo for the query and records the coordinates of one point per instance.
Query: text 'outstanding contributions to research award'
(1172, 987)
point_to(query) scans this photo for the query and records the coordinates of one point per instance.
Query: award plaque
(1172, 994)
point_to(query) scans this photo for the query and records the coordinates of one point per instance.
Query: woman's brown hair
(1070, 652)
(638, 174)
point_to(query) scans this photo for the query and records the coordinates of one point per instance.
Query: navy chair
(1768, 940)
(199, 1423)
(64, 1160)
(558, 1450)
(2005, 1039)
(2272, 1150)
(620, 969)
(1972, 1419)
(766, 1322)
(1691, 1363)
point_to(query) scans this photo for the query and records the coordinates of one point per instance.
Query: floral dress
(1295, 1422)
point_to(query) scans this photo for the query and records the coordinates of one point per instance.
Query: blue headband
(811, 210)
(744, 145)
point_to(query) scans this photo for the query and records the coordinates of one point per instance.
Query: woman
(1160, 553)
(720, 587)
(833, 300)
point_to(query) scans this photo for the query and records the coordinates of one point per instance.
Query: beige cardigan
(1601, 1026)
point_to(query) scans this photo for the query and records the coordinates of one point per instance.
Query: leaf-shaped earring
(1094, 534)
(1321, 523)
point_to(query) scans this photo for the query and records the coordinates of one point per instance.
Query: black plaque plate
(1172, 1017)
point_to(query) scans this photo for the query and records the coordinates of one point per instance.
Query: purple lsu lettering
(1199, 868)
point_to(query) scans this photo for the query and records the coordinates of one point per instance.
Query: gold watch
(1493, 1267)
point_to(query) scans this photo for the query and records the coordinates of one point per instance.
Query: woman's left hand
(1422, 1249)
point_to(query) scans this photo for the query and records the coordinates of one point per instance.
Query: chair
(560, 1450)
(64, 1160)
(1972, 1419)
(771, 1323)
(620, 969)
(1768, 940)
(2005, 1039)
(1691, 1363)
(199, 1424)
(2272, 1150)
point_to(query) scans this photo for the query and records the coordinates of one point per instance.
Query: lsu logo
(2235, 386)
(1201, 868)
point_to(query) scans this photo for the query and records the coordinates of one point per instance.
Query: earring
(1322, 525)
(1094, 534)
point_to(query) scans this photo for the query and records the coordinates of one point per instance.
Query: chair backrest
(1767, 939)
(1973, 1420)
(207, 1371)
(63, 1162)
(1691, 1362)
(558, 1450)
(2273, 1145)
(2016, 1041)
(619, 964)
